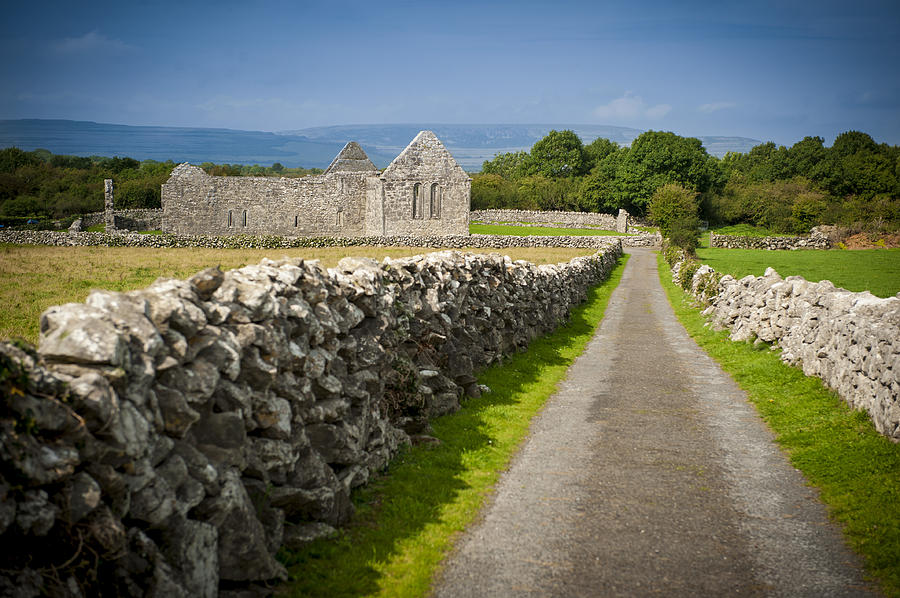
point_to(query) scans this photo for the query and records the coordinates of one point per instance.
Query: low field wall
(167, 441)
(849, 340)
(565, 219)
(55, 238)
(814, 241)
(138, 219)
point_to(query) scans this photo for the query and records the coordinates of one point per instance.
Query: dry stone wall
(167, 441)
(73, 239)
(814, 241)
(849, 340)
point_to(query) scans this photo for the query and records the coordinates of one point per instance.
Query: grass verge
(33, 277)
(856, 470)
(408, 518)
(875, 270)
(546, 231)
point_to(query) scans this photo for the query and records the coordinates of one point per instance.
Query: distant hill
(180, 144)
(310, 148)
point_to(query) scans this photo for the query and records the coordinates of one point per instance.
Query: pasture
(33, 278)
(875, 270)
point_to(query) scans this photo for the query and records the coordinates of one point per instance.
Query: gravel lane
(649, 473)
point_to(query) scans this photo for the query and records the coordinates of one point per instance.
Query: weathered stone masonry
(816, 240)
(166, 442)
(490, 242)
(422, 192)
(849, 340)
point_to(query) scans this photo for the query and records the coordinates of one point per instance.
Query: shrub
(708, 285)
(674, 209)
(685, 234)
(686, 273)
(671, 253)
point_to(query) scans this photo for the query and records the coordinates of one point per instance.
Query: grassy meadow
(855, 469)
(875, 270)
(33, 278)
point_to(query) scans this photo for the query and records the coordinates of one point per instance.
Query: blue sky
(769, 70)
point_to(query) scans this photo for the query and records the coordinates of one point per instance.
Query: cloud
(715, 107)
(90, 42)
(629, 108)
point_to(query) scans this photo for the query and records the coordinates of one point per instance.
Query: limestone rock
(81, 334)
(242, 551)
(81, 495)
(35, 514)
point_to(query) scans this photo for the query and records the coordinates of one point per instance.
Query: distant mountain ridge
(313, 147)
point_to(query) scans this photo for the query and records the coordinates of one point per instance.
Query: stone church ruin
(424, 191)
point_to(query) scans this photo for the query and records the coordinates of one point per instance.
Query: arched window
(435, 201)
(418, 201)
(244, 219)
(339, 217)
(230, 219)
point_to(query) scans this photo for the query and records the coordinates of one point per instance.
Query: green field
(875, 270)
(546, 231)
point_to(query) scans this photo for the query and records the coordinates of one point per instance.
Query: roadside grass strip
(543, 231)
(874, 270)
(407, 519)
(855, 469)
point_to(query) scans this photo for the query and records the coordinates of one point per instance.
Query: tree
(12, 158)
(597, 191)
(596, 151)
(674, 209)
(805, 155)
(656, 158)
(116, 164)
(852, 142)
(511, 165)
(856, 165)
(492, 191)
(671, 203)
(558, 154)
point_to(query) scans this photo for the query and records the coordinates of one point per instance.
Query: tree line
(41, 185)
(776, 187)
(784, 189)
